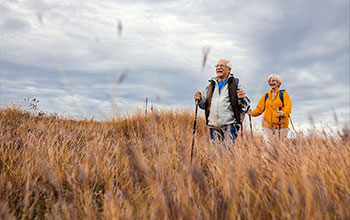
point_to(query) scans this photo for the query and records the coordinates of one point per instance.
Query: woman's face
(273, 83)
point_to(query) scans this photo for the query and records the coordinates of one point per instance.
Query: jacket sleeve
(203, 102)
(260, 108)
(287, 110)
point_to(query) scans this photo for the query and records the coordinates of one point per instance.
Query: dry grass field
(138, 167)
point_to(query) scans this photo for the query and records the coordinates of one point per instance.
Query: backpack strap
(281, 97)
(232, 92)
(290, 119)
(266, 96)
(241, 116)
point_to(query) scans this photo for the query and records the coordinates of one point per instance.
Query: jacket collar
(215, 78)
(279, 90)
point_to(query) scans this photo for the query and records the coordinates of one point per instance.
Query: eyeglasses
(220, 65)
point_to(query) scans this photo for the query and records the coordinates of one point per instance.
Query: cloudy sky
(93, 58)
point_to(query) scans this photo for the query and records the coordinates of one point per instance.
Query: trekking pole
(194, 128)
(279, 124)
(241, 128)
(241, 118)
(250, 123)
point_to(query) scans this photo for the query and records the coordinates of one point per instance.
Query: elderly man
(224, 102)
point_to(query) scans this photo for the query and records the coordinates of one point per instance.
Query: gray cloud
(72, 53)
(15, 24)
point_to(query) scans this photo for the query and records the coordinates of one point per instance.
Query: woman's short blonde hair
(275, 77)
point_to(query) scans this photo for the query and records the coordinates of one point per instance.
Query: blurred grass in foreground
(137, 167)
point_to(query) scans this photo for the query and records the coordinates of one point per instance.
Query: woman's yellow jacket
(270, 108)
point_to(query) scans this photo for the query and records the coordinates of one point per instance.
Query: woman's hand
(250, 112)
(280, 113)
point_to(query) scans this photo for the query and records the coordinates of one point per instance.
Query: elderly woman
(277, 106)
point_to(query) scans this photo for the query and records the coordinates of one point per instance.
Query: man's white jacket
(221, 112)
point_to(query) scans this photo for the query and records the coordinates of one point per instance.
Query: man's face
(222, 71)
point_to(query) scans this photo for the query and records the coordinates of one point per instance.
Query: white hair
(275, 77)
(228, 64)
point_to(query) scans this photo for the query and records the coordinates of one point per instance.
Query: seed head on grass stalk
(96, 168)
(114, 93)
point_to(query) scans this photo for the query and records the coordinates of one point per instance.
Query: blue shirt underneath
(221, 84)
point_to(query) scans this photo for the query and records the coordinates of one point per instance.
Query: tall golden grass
(138, 167)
